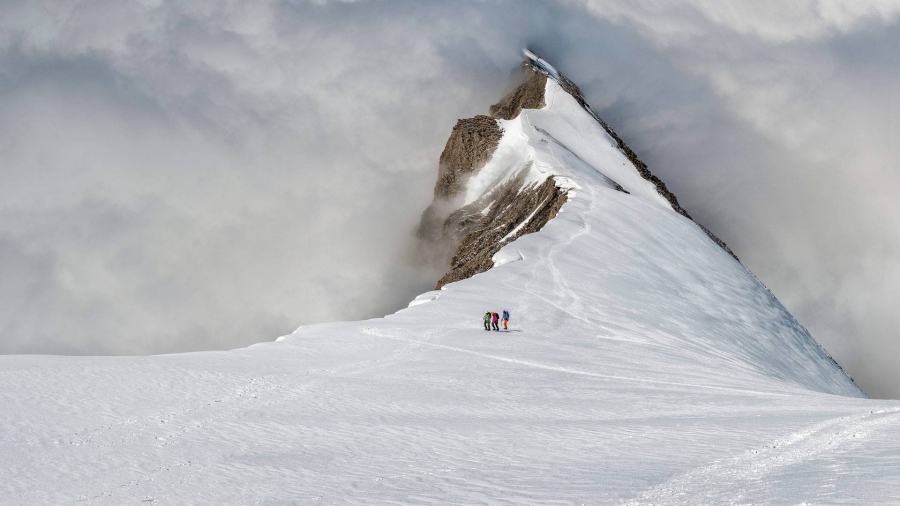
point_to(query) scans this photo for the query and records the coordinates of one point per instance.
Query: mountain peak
(490, 190)
(542, 66)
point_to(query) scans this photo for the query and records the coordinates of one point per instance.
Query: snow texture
(643, 365)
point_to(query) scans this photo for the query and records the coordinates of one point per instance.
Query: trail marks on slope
(564, 297)
(733, 480)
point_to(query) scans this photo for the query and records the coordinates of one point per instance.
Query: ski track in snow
(643, 366)
(742, 479)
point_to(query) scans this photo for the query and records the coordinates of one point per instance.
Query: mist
(180, 176)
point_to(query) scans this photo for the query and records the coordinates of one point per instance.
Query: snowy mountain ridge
(541, 65)
(643, 365)
(554, 139)
(493, 182)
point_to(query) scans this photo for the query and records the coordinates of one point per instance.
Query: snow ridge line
(541, 65)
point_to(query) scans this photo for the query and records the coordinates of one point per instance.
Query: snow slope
(644, 365)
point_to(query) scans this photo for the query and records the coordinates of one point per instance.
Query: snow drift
(644, 365)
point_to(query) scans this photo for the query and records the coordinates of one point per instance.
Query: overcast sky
(203, 175)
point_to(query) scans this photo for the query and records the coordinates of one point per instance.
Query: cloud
(197, 175)
(788, 154)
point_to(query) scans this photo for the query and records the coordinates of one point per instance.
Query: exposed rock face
(514, 210)
(528, 95)
(470, 146)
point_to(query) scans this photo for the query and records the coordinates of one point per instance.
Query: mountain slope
(550, 143)
(644, 365)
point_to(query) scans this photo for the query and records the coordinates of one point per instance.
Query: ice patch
(541, 64)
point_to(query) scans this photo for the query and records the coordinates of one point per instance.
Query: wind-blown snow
(644, 365)
(514, 156)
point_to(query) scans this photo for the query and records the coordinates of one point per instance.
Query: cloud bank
(204, 175)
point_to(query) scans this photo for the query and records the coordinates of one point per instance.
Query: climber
(505, 319)
(495, 319)
(487, 321)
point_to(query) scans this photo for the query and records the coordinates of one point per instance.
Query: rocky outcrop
(527, 95)
(470, 146)
(513, 210)
(474, 232)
